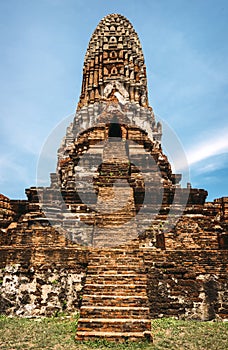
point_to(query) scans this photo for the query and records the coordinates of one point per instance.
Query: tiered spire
(114, 67)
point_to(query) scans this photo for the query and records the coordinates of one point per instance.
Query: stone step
(116, 253)
(113, 222)
(106, 258)
(102, 239)
(114, 300)
(114, 324)
(117, 278)
(131, 286)
(114, 336)
(115, 270)
(114, 312)
(113, 263)
(123, 260)
(115, 289)
(109, 263)
(115, 303)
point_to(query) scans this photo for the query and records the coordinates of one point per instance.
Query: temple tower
(115, 142)
(123, 241)
(116, 182)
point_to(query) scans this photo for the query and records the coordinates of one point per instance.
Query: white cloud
(216, 144)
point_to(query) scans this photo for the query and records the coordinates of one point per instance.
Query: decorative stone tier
(98, 116)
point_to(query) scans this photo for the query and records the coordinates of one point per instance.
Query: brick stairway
(114, 303)
(115, 202)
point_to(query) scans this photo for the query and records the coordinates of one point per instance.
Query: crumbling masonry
(114, 235)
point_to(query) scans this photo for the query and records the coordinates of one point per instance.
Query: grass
(58, 333)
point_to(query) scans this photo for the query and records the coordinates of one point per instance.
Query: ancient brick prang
(115, 235)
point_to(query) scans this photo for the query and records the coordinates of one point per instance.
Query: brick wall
(188, 284)
(41, 282)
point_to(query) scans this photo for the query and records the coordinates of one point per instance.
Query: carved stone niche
(113, 54)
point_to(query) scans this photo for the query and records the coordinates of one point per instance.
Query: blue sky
(43, 44)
